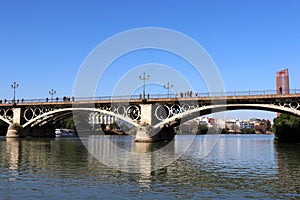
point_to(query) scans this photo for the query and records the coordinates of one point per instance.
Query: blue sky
(43, 43)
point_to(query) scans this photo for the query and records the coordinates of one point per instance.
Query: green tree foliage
(225, 131)
(202, 129)
(247, 131)
(287, 128)
(69, 123)
(65, 123)
(268, 125)
(114, 126)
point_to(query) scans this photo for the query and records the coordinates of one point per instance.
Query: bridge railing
(241, 93)
(153, 96)
(222, 94)
(123, 97)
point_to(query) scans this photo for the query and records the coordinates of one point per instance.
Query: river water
(237, 167)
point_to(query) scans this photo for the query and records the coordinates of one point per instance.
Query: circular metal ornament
(133, 112)
(185, 107)
(294, 105)
(28, 114)
(282, 104)
(121, 110)
(175, 109)
(9, 114)
(162, 112)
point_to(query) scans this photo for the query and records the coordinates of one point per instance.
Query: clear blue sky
(43, 43)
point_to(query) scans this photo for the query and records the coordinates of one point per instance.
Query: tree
(202, 129)
(225, 130)
(287, 128)
(268, 125)
(70, 123)
(247, 131)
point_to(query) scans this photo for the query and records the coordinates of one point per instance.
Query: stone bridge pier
(17, 125)
(15, 129)
(147, 132)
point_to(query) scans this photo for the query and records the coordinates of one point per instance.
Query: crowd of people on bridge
(12, 101)
(187, 94)
(17, 101)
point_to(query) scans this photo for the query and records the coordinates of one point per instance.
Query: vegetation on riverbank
(202, 129)
(287, 128)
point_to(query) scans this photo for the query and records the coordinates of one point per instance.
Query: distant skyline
(44, 43)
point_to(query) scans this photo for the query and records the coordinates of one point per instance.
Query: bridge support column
(15, 130)
(146, 114)
(146, 132)
(149, 134)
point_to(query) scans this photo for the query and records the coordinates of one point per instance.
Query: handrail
(156, 96)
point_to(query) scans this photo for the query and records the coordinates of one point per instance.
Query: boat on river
(65, 133)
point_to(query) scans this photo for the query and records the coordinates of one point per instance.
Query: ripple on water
(238, 167)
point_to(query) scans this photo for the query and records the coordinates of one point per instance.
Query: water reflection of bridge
(251, 162)
(157, 111)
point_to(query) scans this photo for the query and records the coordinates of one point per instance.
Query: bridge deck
(207, 99)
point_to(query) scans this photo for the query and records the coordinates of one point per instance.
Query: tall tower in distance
(282, 82)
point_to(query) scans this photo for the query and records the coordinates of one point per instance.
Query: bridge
(154, 116)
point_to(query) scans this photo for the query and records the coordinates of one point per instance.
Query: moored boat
(65, 133)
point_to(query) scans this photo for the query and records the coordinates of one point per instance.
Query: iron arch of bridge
(50, 118)
(58, 112)
(204, 110)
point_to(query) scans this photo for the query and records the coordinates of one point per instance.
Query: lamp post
(144, 77)
(52, 92)
(168, 86)
(14, 86)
